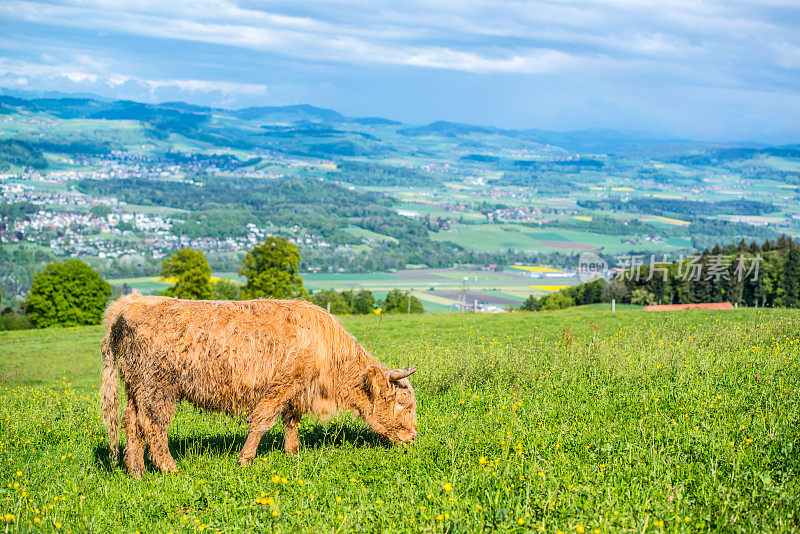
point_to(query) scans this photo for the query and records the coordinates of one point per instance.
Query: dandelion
(275, 513)
(9, 518)
(448, 486)
(659, 524)
(521, 521)
(580, 529)
(276, 479)
(482, 460)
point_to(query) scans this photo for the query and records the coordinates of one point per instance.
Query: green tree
(790, 281)
(361, 302)
(531, 304)
(192, 273)
(397, 302)
(642, 297)
(339, 305)
(556, 301)
(100, 211)
(67, 294)
(225, 290)
(272, 271)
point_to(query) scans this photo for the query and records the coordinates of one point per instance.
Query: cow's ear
(376, 381)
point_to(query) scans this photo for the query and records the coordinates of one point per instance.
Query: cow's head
(393, 411)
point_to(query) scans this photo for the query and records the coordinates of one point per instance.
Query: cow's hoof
(245, 462)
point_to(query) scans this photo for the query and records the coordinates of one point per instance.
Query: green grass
(551, 420)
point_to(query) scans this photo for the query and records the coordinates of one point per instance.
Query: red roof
(698, 306)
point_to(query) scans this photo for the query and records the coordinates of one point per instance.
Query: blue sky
(704, 69)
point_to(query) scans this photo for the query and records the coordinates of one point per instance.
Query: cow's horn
(394, 376)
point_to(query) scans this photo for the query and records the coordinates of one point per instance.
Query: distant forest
(766, 275)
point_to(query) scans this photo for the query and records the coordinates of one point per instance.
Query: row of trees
(71, 293)
(362, 302)
(272, 271)
(766, 275)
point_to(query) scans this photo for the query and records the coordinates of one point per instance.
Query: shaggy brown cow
(265, 358)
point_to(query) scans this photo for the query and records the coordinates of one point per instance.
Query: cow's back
(217, 354)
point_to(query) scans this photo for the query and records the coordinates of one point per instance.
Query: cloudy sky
(704, 69)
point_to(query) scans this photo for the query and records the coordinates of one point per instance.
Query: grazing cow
(263, 358)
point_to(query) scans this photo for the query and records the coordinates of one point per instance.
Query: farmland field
(573, 421)
(497, 237)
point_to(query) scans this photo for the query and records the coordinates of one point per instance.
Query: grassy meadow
(572, 421)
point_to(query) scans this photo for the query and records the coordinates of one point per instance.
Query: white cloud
(478, 36)
(75, 77)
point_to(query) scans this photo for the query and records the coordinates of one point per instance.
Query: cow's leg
(291, 444)
(155, 414)
(134, 446)
(262, 418)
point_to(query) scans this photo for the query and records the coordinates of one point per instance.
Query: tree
(790, 281)
(100, 211)
(272, 271)
(398, 302)
(531, 304)
(642, 297)
(67, 294)
(339, 305)
(361, 302)
(556, 301)
(225, 290)
(193, 275)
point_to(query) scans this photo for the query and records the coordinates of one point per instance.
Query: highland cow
(263, 358)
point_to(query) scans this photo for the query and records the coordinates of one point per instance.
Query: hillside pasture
(572, 421)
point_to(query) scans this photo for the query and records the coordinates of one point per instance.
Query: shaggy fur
(263, 358)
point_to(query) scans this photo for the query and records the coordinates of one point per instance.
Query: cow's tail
(109, 395)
